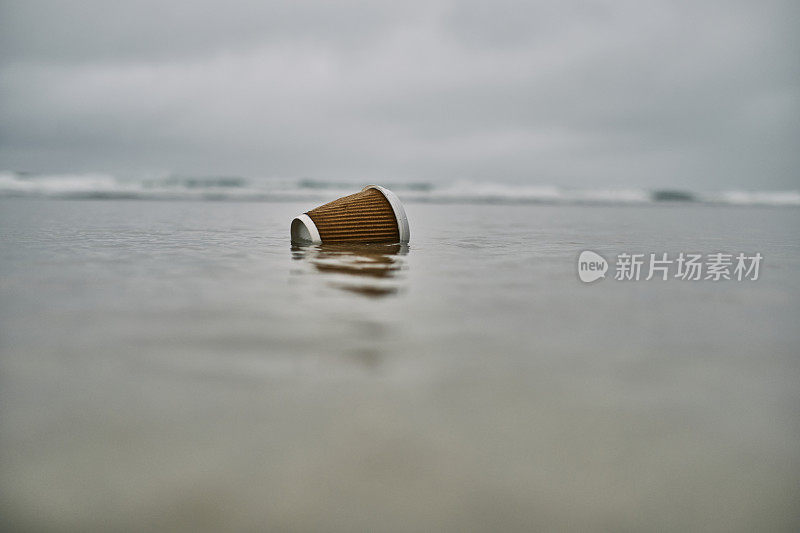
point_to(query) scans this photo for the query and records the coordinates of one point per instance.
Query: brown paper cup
(373, 215)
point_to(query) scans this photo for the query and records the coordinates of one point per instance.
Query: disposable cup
(374, 214)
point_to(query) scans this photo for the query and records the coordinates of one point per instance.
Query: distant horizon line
(306, 181)
(101, 185)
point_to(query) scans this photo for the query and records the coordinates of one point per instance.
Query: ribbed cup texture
(365, 216)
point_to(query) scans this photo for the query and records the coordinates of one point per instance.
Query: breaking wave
(235, 188)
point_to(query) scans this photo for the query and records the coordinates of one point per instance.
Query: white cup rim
(304, 230)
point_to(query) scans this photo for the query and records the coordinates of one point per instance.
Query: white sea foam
(760, 197)
(98, 185)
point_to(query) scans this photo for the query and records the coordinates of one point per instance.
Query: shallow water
(178, 365)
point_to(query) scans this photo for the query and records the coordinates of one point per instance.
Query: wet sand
(179, 366)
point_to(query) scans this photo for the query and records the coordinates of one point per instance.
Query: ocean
(237, 188)
(171, 362)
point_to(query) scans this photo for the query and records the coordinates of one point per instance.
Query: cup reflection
(370, 270)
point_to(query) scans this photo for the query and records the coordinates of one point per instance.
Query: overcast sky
(695, 94)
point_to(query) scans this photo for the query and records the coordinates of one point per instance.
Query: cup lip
(399, 212)
(310, 226)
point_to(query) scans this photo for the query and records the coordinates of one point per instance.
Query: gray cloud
(700, 95)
